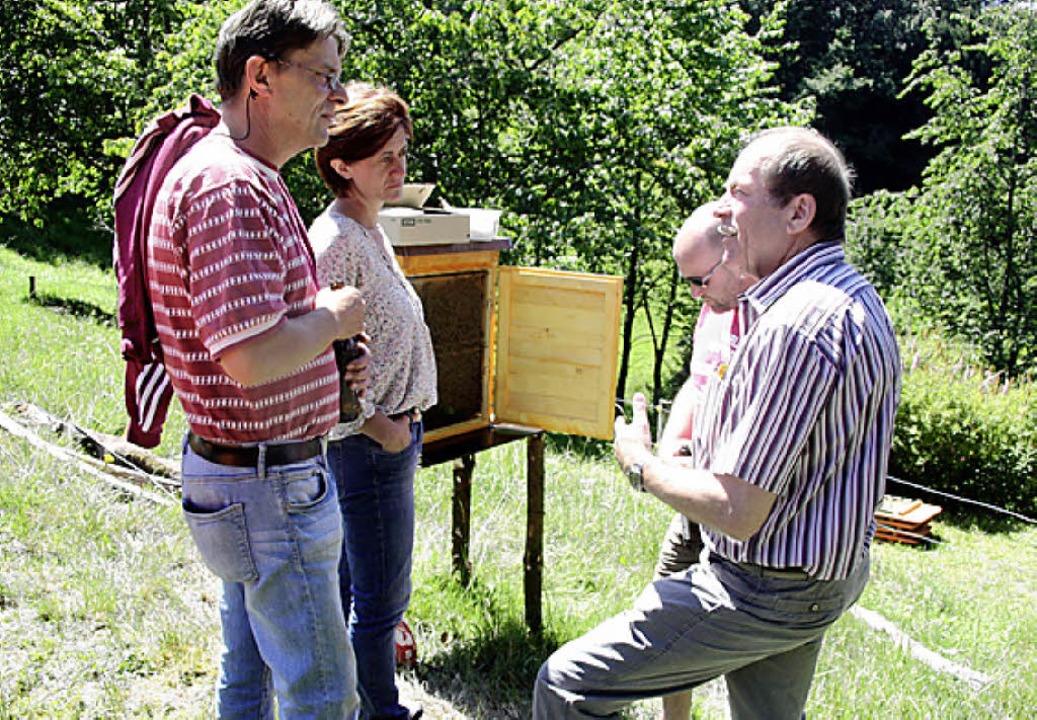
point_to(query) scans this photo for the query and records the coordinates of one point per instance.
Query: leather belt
(248, 455)
(781, 573)
(786, 573)
(414, 414)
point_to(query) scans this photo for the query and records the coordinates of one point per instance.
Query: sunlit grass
(106, 611)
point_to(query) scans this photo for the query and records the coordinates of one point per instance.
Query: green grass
(106, 611)
(103, 609)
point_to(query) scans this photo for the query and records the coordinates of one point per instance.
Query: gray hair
(270, 28)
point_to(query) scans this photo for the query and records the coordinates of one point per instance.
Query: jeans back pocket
(222, 541)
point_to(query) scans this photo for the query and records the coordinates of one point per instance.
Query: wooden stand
(904, 521)
(461, 449)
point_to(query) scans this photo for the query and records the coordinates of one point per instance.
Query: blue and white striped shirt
(805, 411)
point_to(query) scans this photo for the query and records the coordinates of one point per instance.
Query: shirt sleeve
(237, 266)
(785, 378)
(337, 247)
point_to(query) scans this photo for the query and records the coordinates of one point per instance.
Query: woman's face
(379, 179)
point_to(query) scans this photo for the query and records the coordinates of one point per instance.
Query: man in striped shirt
(789, 455)
(246, 339)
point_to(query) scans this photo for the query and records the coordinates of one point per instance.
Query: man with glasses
(716, 278)
(788, 461)
(246, 338)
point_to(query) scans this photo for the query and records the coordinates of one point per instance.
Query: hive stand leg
(461, 528)
(533, 562)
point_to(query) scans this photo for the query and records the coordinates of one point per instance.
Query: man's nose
(338, 94)
(722, 212)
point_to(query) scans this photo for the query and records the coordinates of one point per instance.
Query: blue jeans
(273, 535)
(763, 633)
(376, 494)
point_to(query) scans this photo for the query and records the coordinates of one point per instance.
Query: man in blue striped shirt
(789, 451)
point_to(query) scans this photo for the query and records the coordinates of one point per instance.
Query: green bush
(968, 433)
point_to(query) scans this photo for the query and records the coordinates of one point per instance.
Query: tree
(659, 95)
(965, 250)
(596, 125)
(71, 74)
(852, 57)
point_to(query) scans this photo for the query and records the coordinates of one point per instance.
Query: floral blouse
(403, 367)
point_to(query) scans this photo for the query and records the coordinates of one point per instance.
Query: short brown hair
(271, 28)
(369, 119)
(807, 162)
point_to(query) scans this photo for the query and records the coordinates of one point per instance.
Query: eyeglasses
(703, 280)
(329, 80)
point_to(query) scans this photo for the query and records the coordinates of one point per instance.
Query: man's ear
(801, 211)
(256, 76)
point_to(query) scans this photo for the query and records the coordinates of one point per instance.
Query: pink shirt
(715, 340)
(228, 261)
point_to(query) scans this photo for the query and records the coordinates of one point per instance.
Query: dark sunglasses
(703, 280)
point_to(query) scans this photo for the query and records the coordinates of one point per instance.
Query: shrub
(969, 433)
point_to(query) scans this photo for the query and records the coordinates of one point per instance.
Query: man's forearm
(280, 350)
(722, 502)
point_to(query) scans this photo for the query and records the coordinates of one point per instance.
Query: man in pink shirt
(699, 253)
(246, 339)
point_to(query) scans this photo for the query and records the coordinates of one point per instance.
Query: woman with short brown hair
(375, 457)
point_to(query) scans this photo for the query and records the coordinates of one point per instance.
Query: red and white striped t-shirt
(229, 260)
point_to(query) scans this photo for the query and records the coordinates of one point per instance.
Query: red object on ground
(406, 646)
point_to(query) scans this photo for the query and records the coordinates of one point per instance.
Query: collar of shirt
(755, 300)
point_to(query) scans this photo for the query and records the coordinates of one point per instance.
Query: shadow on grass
(481, 659)
(71, 306)
(70, 233)
(968, 518)
(490, 676)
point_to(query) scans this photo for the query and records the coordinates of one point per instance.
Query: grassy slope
(106, 612)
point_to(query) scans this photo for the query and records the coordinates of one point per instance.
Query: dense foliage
(72, 77)
(961, 246)
(970, 435)
(851, 57)
(597, 125)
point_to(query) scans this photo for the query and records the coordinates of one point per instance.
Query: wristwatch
(636, 476)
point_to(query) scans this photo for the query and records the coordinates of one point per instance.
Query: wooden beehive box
(527, 346)
(904, 521)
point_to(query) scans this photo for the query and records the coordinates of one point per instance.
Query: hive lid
(414, 195)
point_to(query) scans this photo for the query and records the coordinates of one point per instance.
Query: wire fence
(963, 500)
(662, 410)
